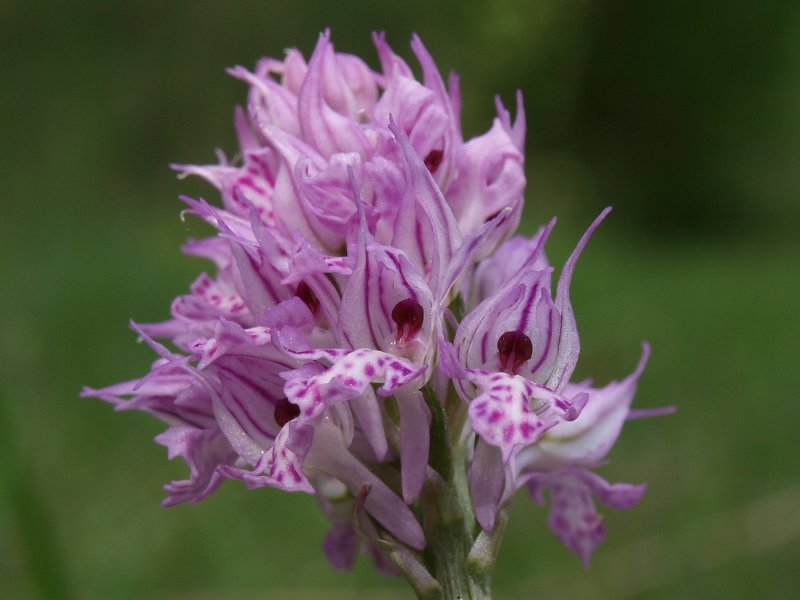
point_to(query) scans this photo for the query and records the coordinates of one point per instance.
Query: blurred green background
(683, 115)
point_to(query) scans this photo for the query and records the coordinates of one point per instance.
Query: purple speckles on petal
(349, 377)
(501, 414)
(573, 516)
(509, 412)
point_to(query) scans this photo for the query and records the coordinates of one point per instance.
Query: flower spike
(373, 333)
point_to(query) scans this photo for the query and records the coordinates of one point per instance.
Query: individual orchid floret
(173, 394)
(387, 303)
(491, 178)
(338, 376)
(425, 112)
(520, 329)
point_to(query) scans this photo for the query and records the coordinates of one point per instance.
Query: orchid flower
(373, 334)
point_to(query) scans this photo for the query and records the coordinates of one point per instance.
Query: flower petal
(511, 411)
(573, 516)
(327, 130)
(486, 483)
(203, 450)
(491, 178)
(415, 423)
(383, 277)
(569, 344)
(349, 376)
(587, 440)
(426, 229)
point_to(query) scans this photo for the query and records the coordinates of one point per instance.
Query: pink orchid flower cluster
(373, 334)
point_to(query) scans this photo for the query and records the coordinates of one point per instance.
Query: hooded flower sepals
(493, 335)
(387, 302)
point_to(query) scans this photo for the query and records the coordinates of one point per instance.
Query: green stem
(449, 526)
(441, 456)
(482, 556)
(447, 516)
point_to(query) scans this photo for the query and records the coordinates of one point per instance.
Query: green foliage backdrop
(683, 115)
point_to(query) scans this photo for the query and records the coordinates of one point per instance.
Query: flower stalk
(460, 556)
(446, 508)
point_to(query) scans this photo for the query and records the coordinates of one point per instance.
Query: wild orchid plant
(374, 335)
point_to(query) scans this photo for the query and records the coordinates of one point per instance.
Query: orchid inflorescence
(374, 335)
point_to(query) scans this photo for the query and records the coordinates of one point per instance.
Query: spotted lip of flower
(561, 460)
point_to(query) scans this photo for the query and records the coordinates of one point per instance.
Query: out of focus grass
(685, 119)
